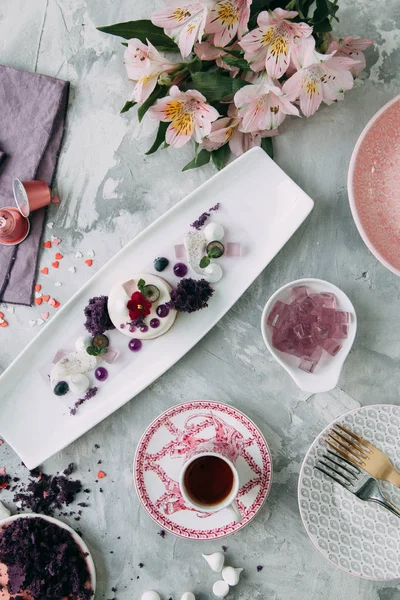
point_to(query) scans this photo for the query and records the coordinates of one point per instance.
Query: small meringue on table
(150, 596)
(220, 589)
(215, 561)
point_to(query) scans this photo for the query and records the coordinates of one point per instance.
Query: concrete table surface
(110, 191)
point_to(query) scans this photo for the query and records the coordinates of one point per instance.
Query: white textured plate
(161, 453)
(79, 541)
(262, 207)
(361, 538)
(328, 370)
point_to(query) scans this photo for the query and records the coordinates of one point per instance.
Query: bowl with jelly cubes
(309, 327)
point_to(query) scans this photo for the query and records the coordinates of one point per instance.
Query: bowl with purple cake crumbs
(42, 558)
(309, 327)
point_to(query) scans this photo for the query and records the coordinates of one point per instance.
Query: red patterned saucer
(161, 453)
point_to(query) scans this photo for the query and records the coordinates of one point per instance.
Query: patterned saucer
(162, 451)
(361, 538)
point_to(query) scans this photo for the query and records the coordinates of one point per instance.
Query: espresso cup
(209, 483)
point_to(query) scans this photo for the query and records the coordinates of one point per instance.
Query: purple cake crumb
(161, 533)
(224, 548)
(44, 560)
(47, 493)
(259, 568)
(89, 394)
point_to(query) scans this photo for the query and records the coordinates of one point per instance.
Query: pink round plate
(374, 185)
(162, 451)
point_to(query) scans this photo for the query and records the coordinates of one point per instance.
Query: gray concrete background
(110, 191)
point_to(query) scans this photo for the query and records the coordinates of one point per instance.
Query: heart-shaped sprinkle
(38, 287)
(50, 224)
(3, 323)
(1, 315)
(79, 254)
(89, 262)
(91, 253)
(45, 271)
(55, 264)
(38, 301)
(32, 322)
(52, 302)
(45, 315)
(39, 322)
(58, 284)
(46, 298)
(55, 199)
(56, 304)
(72, 269)
(56, 241)
(101, 475)
(59, 256)
(47, 244)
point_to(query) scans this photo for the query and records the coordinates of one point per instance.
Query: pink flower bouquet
(226, 73)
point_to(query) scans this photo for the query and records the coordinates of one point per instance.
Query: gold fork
(362, 454)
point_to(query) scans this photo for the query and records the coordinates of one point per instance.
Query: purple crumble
(190, 295)
(43, 559)
(198, 224)
(97, 317)
(89, 394)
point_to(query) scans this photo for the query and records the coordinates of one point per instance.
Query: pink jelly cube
(342, 316)
(129, 287)
(327, 316)
(299, 293)
(234, 249)
(278, 314)
(305, 309)
(308, 363)
(180, 251)
(321, 331)
(302, 330)
(327, 299)
(332, 346)
(339, 331)
(110, 355)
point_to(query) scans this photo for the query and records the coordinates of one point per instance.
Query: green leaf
(323, 27)
(324, 10)
(103, 351)
(220, 156)
(205, 261)
(235, 53)
(267, 146)
(215, 87)
(140, 285)
(159, 92)
(214, 253)
(201, 159)
(127, 106)
(143, 30)
(160, 138)
(93, 351)
(240, 63)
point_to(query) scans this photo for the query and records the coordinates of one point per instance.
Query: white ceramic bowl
(79, 541)
(327, 372)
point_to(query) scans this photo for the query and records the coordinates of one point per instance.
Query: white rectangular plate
(267, 208)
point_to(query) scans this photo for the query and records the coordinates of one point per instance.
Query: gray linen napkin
(32, 120)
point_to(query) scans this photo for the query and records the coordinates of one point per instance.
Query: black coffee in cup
(208, 480)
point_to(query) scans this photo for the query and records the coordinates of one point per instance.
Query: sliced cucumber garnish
(215, 249)
(151, 292)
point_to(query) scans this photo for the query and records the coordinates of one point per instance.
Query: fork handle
(393, 477)
(378, 498)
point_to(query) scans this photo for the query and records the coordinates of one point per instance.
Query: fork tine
(351, 442)
(345, 460)
(338, 460)
(330, 475)
(348, 446)
(351, 458)
(360, 439)
(334, 467)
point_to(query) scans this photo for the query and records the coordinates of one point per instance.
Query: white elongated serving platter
(264, 207)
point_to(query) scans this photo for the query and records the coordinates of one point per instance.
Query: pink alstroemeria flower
(228, 18)
(184, 21)
(262, 105)
(319, 77)
(269, 46)
(144, 64)
(206, 51)
(189, 113)
(227, 130)
(352, 47)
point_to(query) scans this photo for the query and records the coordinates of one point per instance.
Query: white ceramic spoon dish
(327, 373)
(77, 539)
